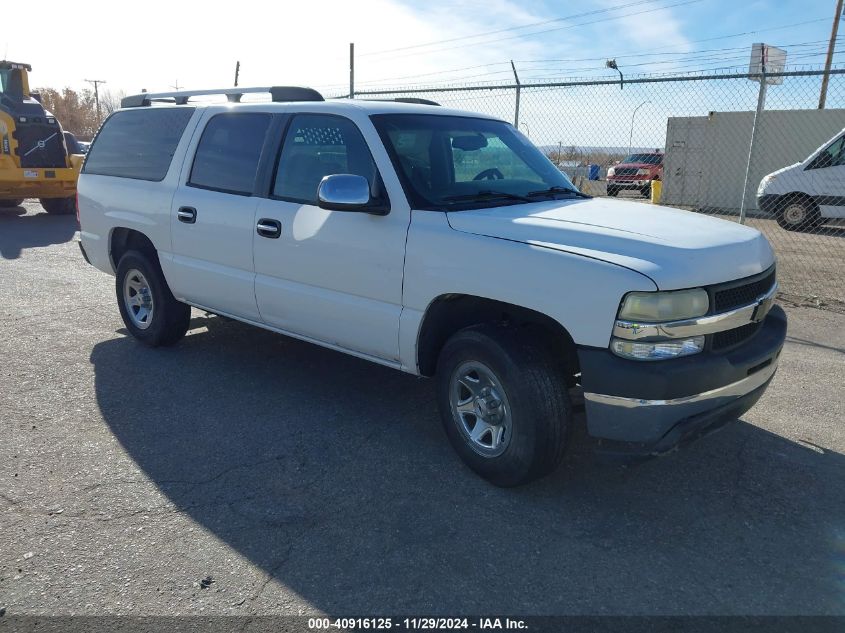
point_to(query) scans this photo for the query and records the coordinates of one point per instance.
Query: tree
(76, 111)
(110, 101)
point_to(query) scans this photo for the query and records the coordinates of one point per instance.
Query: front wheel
(503, 402)
(59, 206)
(613, 191)
(798, 214)
(646, 191)
(148, 308)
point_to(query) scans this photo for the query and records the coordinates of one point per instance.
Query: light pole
(631, 137)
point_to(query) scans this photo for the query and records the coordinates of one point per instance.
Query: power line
(561, 28)
(508, 29)
(694, 58)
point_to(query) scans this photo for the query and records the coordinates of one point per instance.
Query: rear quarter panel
(109, 202)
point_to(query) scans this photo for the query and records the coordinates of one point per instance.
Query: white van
(809, 193)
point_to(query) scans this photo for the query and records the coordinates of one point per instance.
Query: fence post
(351, 70)
(761, 104)
(518, 90)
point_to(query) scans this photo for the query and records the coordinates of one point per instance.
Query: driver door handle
(188, 215)
(269, 228)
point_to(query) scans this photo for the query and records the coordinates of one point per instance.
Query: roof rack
(277, 93)
(416, 100)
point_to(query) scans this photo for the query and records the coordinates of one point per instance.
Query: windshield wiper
(486, 195)
(557, 189)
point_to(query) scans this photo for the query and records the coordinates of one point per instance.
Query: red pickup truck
(635, 172)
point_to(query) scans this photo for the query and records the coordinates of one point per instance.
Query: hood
(675, 248)
(636, 166)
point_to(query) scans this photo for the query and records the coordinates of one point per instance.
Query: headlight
(611, 172)
(765, 182)
(642, 172)
(656, 307)
(657, 350)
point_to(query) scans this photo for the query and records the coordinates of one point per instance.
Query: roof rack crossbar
(181, 97)
(415, 100)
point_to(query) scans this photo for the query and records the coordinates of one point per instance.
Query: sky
(159, 44)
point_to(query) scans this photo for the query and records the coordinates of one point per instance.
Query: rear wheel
(8, 204)
(798, 214)
(59, 206)
(503, 402)
(148, 308)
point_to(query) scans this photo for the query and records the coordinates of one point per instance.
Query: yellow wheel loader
(34, 157)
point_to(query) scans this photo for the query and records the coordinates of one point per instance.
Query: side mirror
(347, 192)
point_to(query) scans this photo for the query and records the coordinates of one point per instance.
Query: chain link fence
(692, 134)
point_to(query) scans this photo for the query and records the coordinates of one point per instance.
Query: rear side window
(228, 153)
(138, 143)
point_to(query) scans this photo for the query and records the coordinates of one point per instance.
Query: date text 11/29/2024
(417, 624)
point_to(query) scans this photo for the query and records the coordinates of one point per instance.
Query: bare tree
(110, 101)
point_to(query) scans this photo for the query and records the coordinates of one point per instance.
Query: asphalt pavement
(242, 472)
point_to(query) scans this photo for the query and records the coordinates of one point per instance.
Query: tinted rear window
(229, 151)
(138, 143)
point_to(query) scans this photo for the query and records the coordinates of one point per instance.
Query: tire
(8, 204)
(613, 191)
(59, 206)
(527, 381)
(166, 320)
(646, 191)
(798, 214)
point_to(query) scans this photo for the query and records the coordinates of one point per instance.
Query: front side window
(450, 162)
(137, 143)
(228, 152)
(831, 156)
(318, 145)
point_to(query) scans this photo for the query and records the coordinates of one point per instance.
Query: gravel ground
(245, 473)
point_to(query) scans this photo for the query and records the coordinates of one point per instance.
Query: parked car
(635, 173)
(810, 193)
(440, 243)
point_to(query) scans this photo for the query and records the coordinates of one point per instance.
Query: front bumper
(648, 408)
(768, 203)
(628, 184)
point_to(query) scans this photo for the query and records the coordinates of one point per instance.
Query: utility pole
(831, 47)
(237, 72)
(96, 83)
(351, 70)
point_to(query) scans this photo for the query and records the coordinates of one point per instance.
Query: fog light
(657, 350)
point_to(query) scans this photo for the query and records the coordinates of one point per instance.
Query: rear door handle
(188, 215)
(269, 228)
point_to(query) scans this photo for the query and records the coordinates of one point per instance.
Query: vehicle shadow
(20, 230)
(333, 476)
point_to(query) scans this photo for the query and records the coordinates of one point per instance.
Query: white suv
(441, 243)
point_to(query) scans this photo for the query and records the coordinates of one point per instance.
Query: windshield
(449, 162)
(4, 79)
(649, 159)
